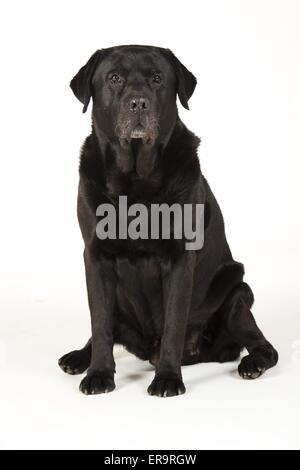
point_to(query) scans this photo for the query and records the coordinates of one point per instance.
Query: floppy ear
(81, 84)
(186, 81)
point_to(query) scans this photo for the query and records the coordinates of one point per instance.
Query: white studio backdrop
(246, 109)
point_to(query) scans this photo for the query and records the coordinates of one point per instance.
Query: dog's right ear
(81, 84)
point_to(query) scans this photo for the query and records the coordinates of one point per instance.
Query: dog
(165, 304)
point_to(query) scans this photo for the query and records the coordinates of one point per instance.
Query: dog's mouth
(145, 132)
(141, 133)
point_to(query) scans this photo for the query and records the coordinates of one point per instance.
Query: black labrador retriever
(164, 303)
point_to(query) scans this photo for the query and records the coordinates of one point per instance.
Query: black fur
(163, 303)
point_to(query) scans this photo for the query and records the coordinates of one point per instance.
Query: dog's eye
(115, 79)
(156, 78)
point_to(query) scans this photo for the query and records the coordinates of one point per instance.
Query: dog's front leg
(177, 292)
(100, 281)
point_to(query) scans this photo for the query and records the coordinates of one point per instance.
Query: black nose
(139, 104)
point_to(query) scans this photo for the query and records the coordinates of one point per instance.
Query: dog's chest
(139, 290)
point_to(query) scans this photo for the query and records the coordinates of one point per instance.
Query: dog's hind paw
(75, 362)
(256, 363)
(251, 367)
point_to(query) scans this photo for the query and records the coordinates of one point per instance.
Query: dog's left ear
(81, 84)
(186, 81)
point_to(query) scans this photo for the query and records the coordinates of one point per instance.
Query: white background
(246, 108)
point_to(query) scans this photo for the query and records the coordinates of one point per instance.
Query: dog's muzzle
(137, 120)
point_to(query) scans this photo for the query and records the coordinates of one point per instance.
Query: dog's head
(134, 92)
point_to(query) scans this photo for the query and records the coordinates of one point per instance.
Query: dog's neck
(133, 157)
(138, 169)
(136, 157)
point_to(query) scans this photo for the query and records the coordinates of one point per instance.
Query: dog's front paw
(97, 382)
(164, 386)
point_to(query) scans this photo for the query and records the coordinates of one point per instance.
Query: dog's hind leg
(77, 362)
(241, 325)
(220, 349)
